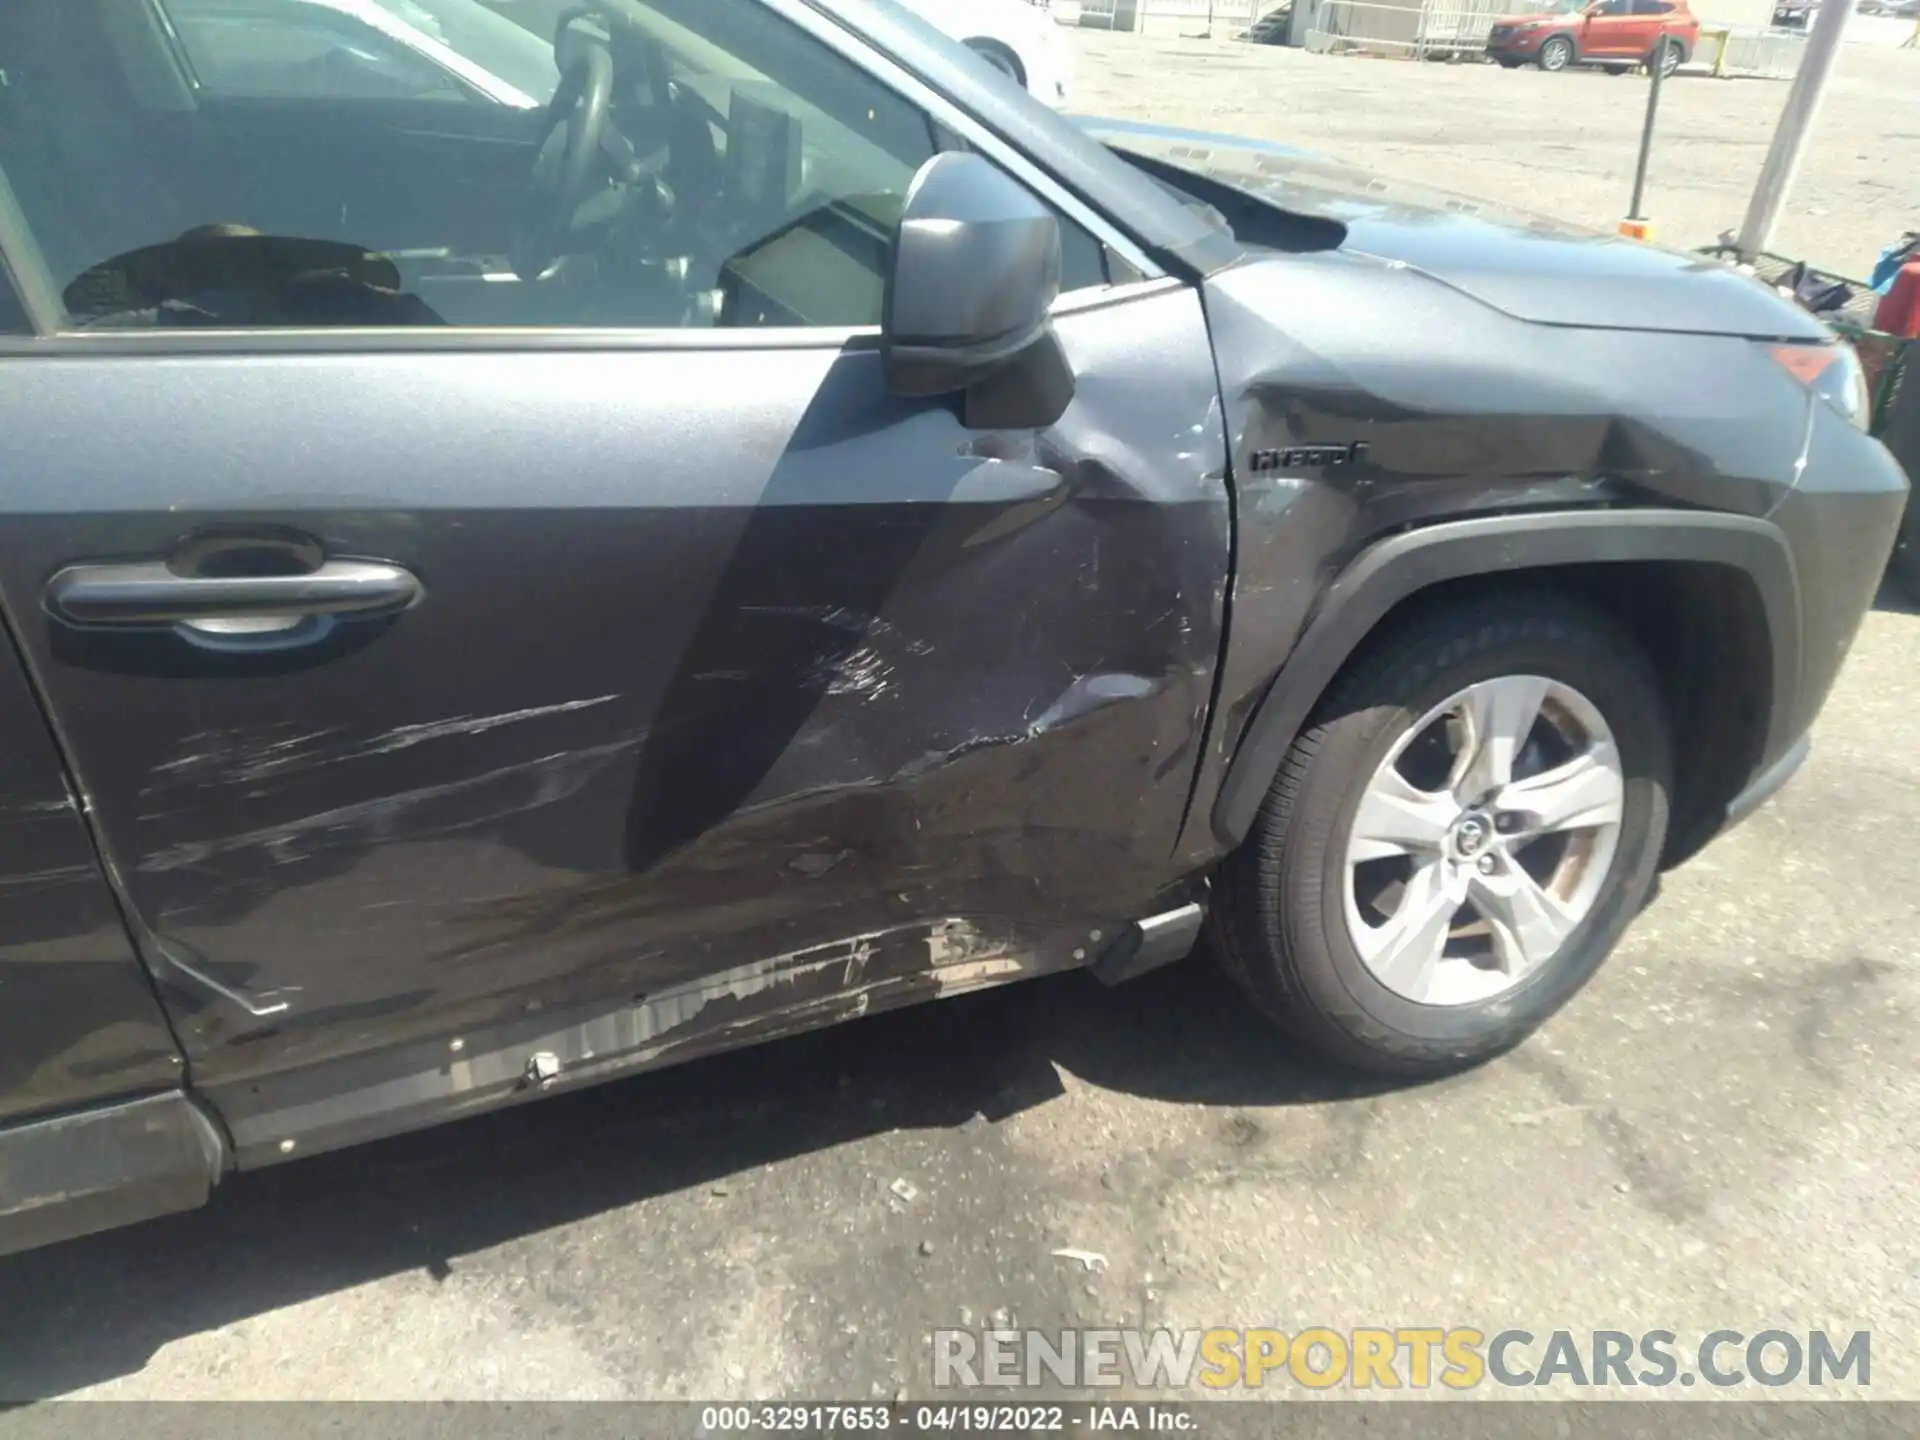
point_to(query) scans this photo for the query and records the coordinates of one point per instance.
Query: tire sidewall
(1560, 45)
(1339, 979)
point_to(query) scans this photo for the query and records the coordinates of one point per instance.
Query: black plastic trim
(1768, 783)
(1147, 945)
(97, 1169)
(1391, 570)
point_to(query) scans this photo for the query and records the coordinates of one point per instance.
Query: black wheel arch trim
(1392, 569)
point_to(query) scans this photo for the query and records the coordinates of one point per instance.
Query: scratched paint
(413, 814)
(865, 673)
(781, 994)
(848, 621)
(832, 669)
(228, 757)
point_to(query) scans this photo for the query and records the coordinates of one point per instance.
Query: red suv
(1614, 33)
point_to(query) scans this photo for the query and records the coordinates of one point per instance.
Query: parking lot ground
(1722, 1132)
(1562, 145)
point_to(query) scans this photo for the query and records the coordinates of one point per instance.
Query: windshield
(493, 42)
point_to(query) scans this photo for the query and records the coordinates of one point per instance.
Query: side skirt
(325, 1107)
(113, 1165)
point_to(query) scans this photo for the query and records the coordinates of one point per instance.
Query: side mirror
(968, 306)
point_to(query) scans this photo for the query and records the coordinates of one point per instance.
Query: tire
(1669, 55)
(1556, 53)
(1281, 925)
(1509, 64)
(1001, 58)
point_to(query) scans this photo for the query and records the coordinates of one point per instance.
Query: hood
(1541, 17)
(1531, 267)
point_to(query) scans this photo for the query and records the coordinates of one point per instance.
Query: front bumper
(1517, 45)
(1840, 521)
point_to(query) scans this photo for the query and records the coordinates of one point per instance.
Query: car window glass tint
(13, 315)
(1083, 259)
(299, 49)
(303, 163)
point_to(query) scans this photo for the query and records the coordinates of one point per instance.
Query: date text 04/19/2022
(974, 1419)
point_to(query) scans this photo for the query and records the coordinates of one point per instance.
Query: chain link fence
(1400, 27)
(1195, 17)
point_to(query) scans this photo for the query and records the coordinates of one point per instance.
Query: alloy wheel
(1483, 840)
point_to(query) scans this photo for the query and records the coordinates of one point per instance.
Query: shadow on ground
(91, 1310)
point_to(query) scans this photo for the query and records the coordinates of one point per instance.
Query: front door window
(677, 163)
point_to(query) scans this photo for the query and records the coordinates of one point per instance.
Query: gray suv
(535, 553)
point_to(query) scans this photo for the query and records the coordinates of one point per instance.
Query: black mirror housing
(976, 270)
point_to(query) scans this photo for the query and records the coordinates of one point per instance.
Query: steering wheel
(576, 125)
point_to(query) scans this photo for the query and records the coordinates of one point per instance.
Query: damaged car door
(620, 685)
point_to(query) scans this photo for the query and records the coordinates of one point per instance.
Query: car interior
(243, 163)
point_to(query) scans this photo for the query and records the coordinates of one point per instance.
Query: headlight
(1834, 373)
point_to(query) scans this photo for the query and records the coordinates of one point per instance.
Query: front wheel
(1458, 839)
(1556, 53)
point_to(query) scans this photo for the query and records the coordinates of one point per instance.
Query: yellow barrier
(1723, 35)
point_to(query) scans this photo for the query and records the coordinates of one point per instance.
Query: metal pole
(1796, 119)
(1646, 130)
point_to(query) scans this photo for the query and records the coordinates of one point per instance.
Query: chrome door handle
(149, 593)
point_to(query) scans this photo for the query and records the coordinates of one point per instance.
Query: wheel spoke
(1396, 819)
(1404, 952)
(1529, 923)
(1497, 716)
(1582, 794)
